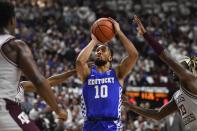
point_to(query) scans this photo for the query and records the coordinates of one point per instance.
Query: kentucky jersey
(187, 105)
(102, 96)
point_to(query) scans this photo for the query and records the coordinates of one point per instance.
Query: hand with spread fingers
(140, 28)
(116, 25)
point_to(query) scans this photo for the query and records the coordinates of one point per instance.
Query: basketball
(103, 30)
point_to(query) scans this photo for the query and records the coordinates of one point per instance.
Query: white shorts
(7, 123)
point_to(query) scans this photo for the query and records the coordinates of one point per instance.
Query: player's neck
(102, 68)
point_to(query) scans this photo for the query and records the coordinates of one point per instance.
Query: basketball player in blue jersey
(102, 85)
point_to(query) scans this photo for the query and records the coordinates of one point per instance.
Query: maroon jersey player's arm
(53, 80)
(152, 113)
(19, 53)
(188, 80)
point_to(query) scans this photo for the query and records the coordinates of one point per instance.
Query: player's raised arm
(151, 113)
(53, 80)
(184, 75)
(28, 66)
(82, 60)
(128, 62)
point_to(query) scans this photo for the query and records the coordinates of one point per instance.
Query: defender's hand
(140, 28)
(125, 101)
(62, 115)
(116, 25)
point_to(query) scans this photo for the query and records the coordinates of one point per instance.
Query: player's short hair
(193, 65)
(111, 51)
(7, 12)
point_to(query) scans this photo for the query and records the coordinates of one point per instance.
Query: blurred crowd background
(57, 30)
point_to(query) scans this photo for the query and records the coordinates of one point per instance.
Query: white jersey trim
(120, 102)
(4, 56)
(189, 94)
(83, 108)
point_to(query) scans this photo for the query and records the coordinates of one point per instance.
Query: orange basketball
(103, 30)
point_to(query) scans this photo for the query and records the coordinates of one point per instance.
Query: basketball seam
(110, 22)
(102, 32)
(108, 28)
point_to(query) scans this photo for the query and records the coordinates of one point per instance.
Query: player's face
(103, 55)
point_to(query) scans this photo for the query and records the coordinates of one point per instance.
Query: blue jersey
(101, 95)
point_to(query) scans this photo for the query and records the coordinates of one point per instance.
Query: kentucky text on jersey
(101, 81)
(101, 95)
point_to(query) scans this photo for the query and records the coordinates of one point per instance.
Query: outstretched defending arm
(186, 77)
(53, 80)
(151, 113)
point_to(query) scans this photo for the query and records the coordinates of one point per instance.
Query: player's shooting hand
(140, 28)
(94, 38)
(116, 25)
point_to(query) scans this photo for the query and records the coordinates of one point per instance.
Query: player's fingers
(92, 35)
(124, 98)
(136, 17)
(138, 29)
(62, 115)
(125, 103)
(137, 20)
(112, 20)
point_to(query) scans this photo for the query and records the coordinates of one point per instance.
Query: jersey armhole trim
(189, 93)
(3, 54)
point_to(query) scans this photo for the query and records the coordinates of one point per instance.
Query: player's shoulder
(13, 45)
(16, 43)
(20, 42)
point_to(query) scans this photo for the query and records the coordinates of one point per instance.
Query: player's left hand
(140, 27)
(62, 115)
(116, 25)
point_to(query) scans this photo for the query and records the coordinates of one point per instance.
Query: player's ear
(110, 58)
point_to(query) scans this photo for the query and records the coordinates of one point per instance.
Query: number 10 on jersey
(101, 92)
